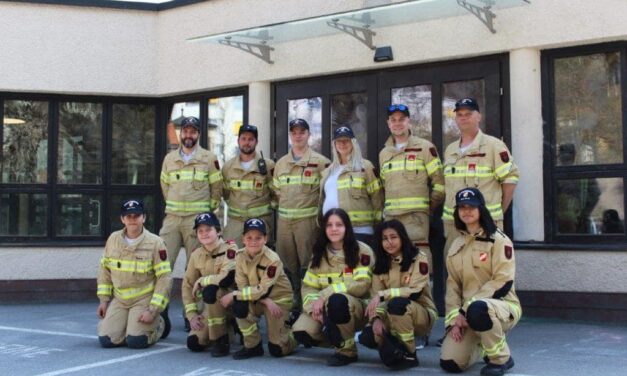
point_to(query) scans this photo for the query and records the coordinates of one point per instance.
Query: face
(299, 137)
(335, 229)
(206, 234)
(391, 242)
(398, 124)
(189, 137)
(254, 241)
(344, 146)
(247, 143)
(467, 120)
(133, 222)
(468, 214)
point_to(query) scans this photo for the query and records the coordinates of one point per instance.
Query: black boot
(188, 327)
(338, 360)
(245, 353)
(221, 347)
(497, 369)
(166, 320)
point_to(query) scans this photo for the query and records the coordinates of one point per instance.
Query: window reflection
(352, 110)
(418, 99)
(24, 156)
(78, 215)
(23, 214)
(309, 109)
(180, 111)
(451, 93)
(226, 115)
(133, 144)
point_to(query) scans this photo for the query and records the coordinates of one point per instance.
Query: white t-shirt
(129, 241)
(331, 197)
(246, 165)
(463, 149)
(400, 147)
(187, 157)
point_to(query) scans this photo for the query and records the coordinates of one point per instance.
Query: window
(586, 157)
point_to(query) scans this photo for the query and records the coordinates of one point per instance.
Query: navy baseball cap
(398, 108)
(469, 196)
(468, 103)
(248, 128)
(298, 123)
(255, 224)
(208, 219)
(343, 131)
(190, 121)
(132, 206)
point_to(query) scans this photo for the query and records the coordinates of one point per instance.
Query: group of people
(351, 252)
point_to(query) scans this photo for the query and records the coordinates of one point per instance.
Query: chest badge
(348, 271)
(307, 173)
(483, 256)
(411, 157)
(472, 168)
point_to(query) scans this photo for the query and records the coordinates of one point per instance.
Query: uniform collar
(197, 154)
(474, 146)
(411, 142)
(257, 258)
(136, 241)
(254, 165)
(304, 160)
(216, 247)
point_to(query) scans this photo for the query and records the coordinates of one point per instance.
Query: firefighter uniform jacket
(480, 267)
(297, 184)
(406, 175)
(359, 194)
(412, 284)
(193, 187)
(261, 277)
(486, 164)
(216, 267)
(334, 276)
(248, 193)
(132, 272)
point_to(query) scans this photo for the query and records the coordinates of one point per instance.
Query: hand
(147, 317)
(377, 327)
(460, 321)
(102, 309)
(458, 328)
(197, 287)
(227, 300)
(317, 308)
(197, 322)
(274, 309)
(371, 310)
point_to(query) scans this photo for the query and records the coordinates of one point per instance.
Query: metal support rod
(484, 14)
(260, 50)
(362, 34)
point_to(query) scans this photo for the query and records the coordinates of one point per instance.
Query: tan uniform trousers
(490, 343)
(306, 323)
(417, 226)
(294, 244)
(451, 233)
(278, 332)
(235, 227)
(122, 319)
(417, 321)
(216, 320)
(177, 232)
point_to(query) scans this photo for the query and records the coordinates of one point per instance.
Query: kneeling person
(134, 283)
(210, 274)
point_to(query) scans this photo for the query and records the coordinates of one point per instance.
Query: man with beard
(247, 186)
(191, 184)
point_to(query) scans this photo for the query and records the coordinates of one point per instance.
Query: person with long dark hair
(338, 278)
(481, 302)
(401, 306)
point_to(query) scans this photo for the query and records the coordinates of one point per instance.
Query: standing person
(262, 289)
(210, 273)
(297, 185)
(350, 183)
(191, 184)
(337, 280)
(480, 161)
(133, 283)
(411, 172)
(247, 186)
(401, 306)
(481, 302)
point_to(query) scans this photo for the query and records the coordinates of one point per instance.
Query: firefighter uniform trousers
(188, 189)
(297, 187)
(133, 278)
(343, 289)
(257, 278)
(413, 180)
(480, 285)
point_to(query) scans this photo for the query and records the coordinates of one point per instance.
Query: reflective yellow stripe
(516, 308)
(105, 289)
(394, 293)
(248, 331)
(438, 187)
(133, 292)
(447, 213)
(205, 281)
(362, 215)
(339, 287)
(503, 170)
(297, 180)
(191, 307)
(311, 280)
(433, 166)
(297, 213)
(159, 301)
(407, 203)
(362, 272)
(463, 172)
(215, 177)
(187, 206)
(246, 293)
(215, 321)
(257, 211)
(403, 336)
(165, 178)
(241, 185)
(162, 268)
(347, 183)
(310, 298)
(285, 301)
(496, 349)
(348, 343)
(380, 310)
(451, 316)
(132, 266)
(373, 186)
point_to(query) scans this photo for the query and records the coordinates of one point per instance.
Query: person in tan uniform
(262, 289)
(350, 183)
(133, 283)
(481, 302)
(479, 161)
(335, 284)
(210, 274)
(248, 186)
(297, 188)
(411, 172)
(401, 306)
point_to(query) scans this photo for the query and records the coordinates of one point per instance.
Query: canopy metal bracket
(484, 14)
(362, 33)
(260, 50)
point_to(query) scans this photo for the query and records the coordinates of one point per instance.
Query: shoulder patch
(424, 268)
(216, 163)
(163, 254)
(365, 260)
(504, 156)
(433, 151)
(327, 165)
(271, 271)
(508, 252)
(230, 254)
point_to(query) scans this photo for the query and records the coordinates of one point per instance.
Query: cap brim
(132, 211)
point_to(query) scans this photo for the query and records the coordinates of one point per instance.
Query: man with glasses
(191, 183)
(297, 187)
(247, 187)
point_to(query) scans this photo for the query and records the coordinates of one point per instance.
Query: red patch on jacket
(472, 167)
(411, 157)
(348, 270)
(307, 173)
(259, 184)
(271, 271)
(424, 268)
(163, 254)
(217, 164)
(504, 156)
(365, 260)
(433, 151)
(230, 254)
(508, 252)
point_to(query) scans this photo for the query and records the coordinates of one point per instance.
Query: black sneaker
(410, 361)
(422, 342)
(168, 324)
(221, 347)
(245, 353)
(293, 317)
(338, 360)
(497, 369)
